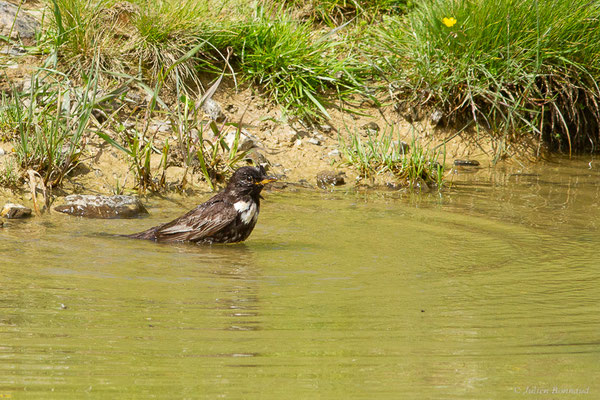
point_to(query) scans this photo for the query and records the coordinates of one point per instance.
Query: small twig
(34, 179)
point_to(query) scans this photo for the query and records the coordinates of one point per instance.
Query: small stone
(2, 152)
(314, 141)
(207, 134)
(326, 128)
(329, 178)
(15, 211)
(289, 136)
(298, 142)
(436, 117)
(26, 85)
(334, 153)
(257, 158)
(293, 135)
(371, 127)
(246, 141)
(14, 51)
(403, 146)
(97, 206)
(213, 109)
(466, 163)
(160, 126)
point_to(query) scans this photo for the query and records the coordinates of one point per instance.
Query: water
(490, 291)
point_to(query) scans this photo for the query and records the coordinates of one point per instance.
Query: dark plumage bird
(228, 217)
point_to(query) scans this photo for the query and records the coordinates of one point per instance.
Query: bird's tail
(149, 234)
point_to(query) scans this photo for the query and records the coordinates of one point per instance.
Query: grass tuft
(48, 124)
(412, 164)
(298, 68)
(516, 67)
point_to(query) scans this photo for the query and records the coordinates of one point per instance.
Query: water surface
(490, 290)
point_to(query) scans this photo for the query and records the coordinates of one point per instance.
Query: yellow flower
(449, 22)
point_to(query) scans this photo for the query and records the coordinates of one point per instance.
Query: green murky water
(491, 291)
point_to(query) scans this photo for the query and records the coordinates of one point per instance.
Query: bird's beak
(267, 180)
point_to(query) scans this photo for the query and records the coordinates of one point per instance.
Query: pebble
(371, 126)
(246, 141)
(314, 141)
(326, 128)
(328, 178)
(98, 206)
(370, 129)
(257, 158)
(292, 136)
(405, 147)
(436, 117)
(14, 51)
(14, 211)
(334, 153)
(466, 163)
(213, 109)
(160, 126)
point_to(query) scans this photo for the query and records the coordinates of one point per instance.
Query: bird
(227, 217)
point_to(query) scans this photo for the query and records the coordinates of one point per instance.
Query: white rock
(213, 109)
(160, 126)
(246, 140)
(14, 211)
(436, 117)
(326, 128)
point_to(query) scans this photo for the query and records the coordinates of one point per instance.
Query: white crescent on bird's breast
(247, 209)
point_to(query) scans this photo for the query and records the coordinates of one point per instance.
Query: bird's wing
(199, 223)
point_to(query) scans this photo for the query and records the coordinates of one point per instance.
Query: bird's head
(250, 180)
